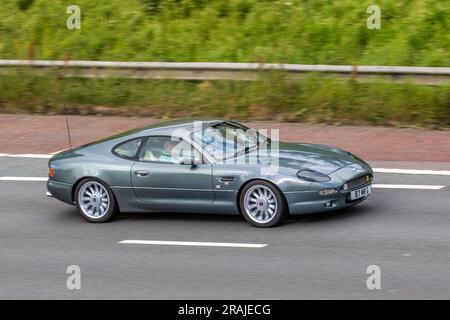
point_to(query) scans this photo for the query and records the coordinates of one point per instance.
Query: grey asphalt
(322, 256)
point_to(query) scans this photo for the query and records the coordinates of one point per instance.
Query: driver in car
(168, 154)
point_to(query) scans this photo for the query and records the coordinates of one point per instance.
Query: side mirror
(189, 161)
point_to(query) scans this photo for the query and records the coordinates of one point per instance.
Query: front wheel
(262, 204)
(95, 201)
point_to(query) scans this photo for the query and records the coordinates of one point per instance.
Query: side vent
(226, 179)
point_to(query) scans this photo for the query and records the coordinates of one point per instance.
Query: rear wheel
(95, 201)
(262, 204)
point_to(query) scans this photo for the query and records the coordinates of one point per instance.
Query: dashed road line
(196, 244)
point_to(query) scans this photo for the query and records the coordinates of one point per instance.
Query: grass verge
(316, 99)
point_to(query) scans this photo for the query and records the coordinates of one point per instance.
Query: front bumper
(353, 176)
(312, 202)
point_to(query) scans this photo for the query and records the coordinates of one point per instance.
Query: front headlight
(312, 176)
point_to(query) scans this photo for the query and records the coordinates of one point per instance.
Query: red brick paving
(46, 134)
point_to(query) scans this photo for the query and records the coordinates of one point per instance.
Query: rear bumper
(60, 190)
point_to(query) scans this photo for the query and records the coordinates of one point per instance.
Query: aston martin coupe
(206, 166)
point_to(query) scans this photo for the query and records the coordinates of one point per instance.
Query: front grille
(357, 182)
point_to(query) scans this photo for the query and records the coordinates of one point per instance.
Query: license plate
(360, 193)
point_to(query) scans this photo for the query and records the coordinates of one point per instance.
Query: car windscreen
(226, 140)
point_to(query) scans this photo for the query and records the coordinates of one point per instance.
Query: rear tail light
(51, 172)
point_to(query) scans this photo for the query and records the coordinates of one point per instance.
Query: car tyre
(95, 201)
(262, 204)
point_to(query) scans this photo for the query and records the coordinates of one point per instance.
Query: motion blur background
(412, 33)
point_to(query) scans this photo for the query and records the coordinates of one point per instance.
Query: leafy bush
(151, 7)
(24, 4)
(274, 97)
(413, 32)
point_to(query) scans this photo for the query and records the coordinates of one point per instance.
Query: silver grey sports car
(206, 166)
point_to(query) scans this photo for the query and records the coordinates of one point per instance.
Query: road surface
(323, 256)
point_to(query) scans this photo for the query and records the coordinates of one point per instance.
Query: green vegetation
(413, 32)
(274, 97)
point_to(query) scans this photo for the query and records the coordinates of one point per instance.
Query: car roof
(168, 127)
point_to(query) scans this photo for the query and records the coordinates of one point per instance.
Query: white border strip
(407, 186)
(23, 178)
(413, 171)
(26, 155)
(197, 244)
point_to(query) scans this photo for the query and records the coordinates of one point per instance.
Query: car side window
(165, 149)
(128, 149)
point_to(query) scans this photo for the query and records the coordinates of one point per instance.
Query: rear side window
(166, 149)
(128, 149)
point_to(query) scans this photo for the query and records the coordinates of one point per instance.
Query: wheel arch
(238, 197)
(75, 186)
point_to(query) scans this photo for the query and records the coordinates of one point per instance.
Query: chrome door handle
(141, 173)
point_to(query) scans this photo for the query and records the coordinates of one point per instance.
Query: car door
(160, 182)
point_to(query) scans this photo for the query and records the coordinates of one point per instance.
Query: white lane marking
(375, 186)
(201, 244)
(26, 155)
(379, 170)
(407, 186)
(53, 153)
(23, 178)
(413, 171)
